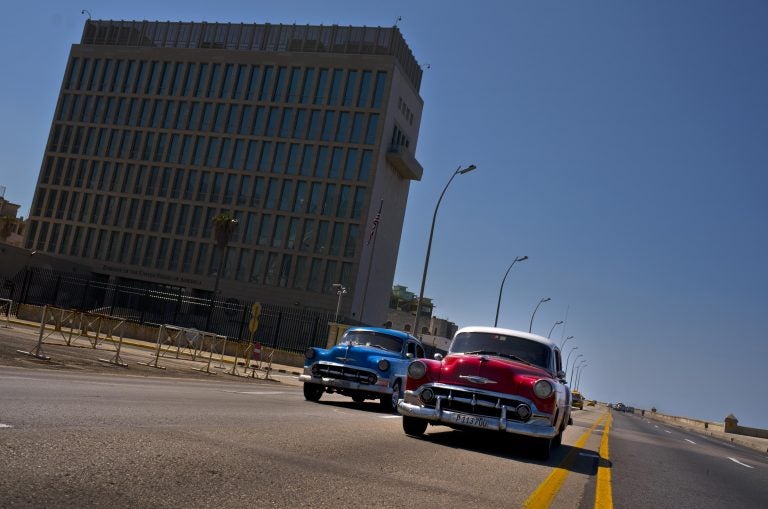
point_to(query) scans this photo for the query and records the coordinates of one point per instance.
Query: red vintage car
(491, 379)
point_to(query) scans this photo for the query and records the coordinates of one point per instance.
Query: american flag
(375, 224)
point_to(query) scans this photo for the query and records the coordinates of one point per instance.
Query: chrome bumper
(381, 387)
(538, 425)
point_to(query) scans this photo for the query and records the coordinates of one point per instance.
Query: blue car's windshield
(374, 339)
(528, 350)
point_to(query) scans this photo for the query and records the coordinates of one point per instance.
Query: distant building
(304, 134)
(11, 225)
(402, 312)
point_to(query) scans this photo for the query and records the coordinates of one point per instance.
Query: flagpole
(370, 257)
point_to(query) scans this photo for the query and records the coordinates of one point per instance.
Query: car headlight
(543, 389)
(383, 365)
(417, 370)
(309, 353)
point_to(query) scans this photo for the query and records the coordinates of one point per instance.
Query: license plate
(470, 420)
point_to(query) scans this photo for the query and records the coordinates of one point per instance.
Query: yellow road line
(603, 492)
(545, 493)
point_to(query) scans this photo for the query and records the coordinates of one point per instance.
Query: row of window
(211, 151)
(339, 87)
(247, 120)
(191, 257)
(284, 194)
(275, 230)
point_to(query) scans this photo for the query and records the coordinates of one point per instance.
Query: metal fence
(280, 327)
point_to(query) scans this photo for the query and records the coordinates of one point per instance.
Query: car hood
(355, 354)
(488, 372)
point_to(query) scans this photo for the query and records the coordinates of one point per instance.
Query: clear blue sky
(622, 146)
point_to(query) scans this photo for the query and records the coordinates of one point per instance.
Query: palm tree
(223, 226)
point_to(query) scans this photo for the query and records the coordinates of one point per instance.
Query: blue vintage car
(368, 363)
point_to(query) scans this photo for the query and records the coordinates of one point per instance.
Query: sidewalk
(133, 348)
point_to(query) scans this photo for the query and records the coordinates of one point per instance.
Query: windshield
(527, 350)
(374, 339)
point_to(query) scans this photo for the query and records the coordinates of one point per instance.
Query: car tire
(358, 398)
(413, 426)
(312, 392)
(389, 402)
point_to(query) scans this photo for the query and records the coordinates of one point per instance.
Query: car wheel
(389, 402)
(413, 426)
(558, 440)
(312, 392)
(358, 398)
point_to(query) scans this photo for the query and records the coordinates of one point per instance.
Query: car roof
(509, 332)
(380, 330)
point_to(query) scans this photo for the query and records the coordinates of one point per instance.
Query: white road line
(667, 431)
(655, 426)
(739, 462)
(690, 441)
(5, 425)
(258, 393)
(389, 416)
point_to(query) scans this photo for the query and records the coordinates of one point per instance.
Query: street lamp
(578, 379)
(573, 367)
(568, 359)
(564, 342)
(530, 327)
(459, 171)
(340, 290)
(553, 328)
(517, 259)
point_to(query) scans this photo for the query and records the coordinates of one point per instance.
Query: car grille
(348, 373)
(466, 401)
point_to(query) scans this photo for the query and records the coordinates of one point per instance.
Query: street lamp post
(517, 259)
(578, 379)
(568, 359)
(564, 342)
(340, 290)
(459, 171)
(553, 328)
(573, 367)
(530, 327)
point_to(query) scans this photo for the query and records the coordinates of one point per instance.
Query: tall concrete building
(303, 134)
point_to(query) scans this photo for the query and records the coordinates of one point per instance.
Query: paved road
(654, 465)
(86, 440)
(76, 432)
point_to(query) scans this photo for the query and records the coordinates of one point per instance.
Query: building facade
(305, 135)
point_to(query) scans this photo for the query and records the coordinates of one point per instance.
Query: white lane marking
(739, 462)
(5, 425)
(389, 416)
(258, 393)
(655, 426)
(667, 431)
(690, 441)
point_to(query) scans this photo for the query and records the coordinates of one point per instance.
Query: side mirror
(409, 355)
(438, 356)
